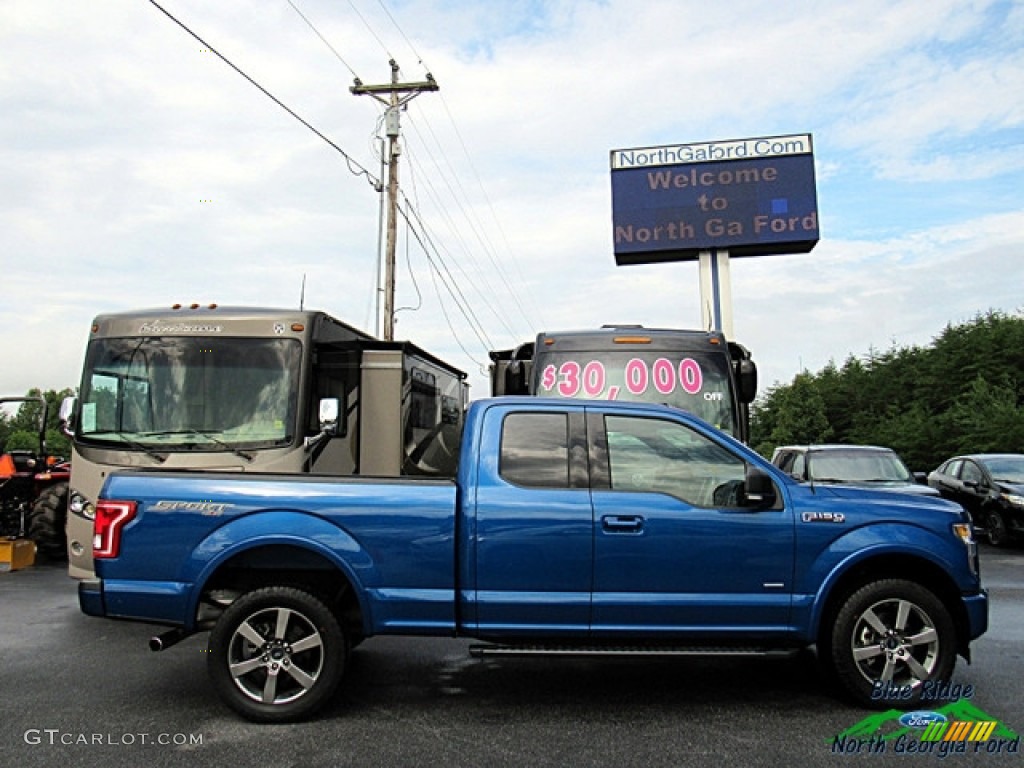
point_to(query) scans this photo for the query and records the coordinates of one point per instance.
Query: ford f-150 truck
(572, 526)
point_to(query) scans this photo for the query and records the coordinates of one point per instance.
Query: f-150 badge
(823, 517)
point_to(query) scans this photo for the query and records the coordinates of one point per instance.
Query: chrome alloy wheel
(895, 641)
(275, 655)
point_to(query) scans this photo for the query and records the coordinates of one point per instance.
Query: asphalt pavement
(79, 691)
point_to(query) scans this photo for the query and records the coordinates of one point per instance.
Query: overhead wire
(436, 261)
(423, 237)
(370, 29)
(408, 223)
(455, 190)
(454, 228)
(487, 199)
(419, 59)
(453, 290)
(412, 276)
(439, 268)
(355, 168)
(487, 248)
(323, 39)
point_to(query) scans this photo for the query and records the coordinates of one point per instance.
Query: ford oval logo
(921, 719)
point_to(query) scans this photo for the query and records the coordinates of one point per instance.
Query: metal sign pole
(716, 291)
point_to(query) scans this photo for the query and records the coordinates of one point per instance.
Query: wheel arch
(280, 560)
(914, 568)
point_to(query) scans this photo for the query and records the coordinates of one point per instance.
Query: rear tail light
(111, 517)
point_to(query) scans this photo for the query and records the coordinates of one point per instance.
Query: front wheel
(276, 655)
(890, 638)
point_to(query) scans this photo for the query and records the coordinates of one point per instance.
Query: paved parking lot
(78, 691)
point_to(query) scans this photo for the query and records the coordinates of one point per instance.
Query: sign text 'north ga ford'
(750, 196)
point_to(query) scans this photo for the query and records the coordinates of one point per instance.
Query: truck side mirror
(758, 488)
(66, 415)
(330, 409)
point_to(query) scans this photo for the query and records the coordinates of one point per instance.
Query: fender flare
(279, 527)
(874, 542)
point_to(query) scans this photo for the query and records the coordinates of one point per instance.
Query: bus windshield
(696, 381)
(190, 393)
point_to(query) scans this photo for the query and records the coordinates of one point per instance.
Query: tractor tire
(46, 525)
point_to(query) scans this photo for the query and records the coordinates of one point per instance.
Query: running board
(620, 651)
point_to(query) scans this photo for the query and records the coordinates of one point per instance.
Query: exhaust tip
(167, 639)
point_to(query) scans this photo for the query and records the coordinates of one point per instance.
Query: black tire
(995, 528)
(891, 637)
(276, 655)
(48, 521)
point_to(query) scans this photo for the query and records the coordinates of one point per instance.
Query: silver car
(863, 466)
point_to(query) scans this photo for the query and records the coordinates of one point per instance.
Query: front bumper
(976, 607)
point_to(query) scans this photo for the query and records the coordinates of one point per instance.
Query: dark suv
(864, 466)
(990, 486)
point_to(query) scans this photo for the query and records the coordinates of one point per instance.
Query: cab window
(535, 450)
(658, 456)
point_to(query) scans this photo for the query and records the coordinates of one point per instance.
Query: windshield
(1009, 469)
(857, 466)
(696, 382)
(190, 393)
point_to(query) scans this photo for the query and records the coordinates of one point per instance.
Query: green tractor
(34, 491)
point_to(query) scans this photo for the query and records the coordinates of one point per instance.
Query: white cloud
(119, 127)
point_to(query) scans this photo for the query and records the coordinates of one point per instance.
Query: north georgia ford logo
(921, 719)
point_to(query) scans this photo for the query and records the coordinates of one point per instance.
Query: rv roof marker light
(631, 340)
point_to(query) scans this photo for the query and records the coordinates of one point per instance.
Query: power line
(490, 206)
(370, 29)
(491, 294)
(460, 196)
(477, 230)
(408, 42)
(354, 167)
(451, 283)
(323, 39)
(446, 276)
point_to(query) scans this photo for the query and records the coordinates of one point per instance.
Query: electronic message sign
(751, 197)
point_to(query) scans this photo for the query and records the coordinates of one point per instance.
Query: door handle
(622, 523)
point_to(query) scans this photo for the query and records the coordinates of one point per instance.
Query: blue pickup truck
(572, 527)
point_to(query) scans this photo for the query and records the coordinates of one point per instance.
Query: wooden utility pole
(394, 96)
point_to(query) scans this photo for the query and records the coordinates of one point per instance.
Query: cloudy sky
(139, 169)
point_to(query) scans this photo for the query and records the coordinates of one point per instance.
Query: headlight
(963, 532)
(80, 505)
(1013, 498)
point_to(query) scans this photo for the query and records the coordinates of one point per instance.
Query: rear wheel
(995, 525)
(276, 654)
(47, 523)
(890, 638)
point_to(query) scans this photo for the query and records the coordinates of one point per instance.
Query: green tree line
(961, 394)
(20, 430)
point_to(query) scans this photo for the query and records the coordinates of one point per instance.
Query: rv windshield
(193, 393)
